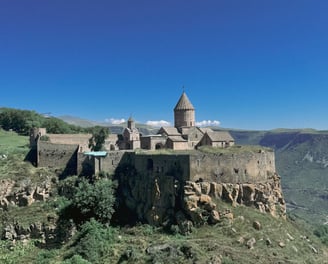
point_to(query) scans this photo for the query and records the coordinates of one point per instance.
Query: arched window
(158, 146)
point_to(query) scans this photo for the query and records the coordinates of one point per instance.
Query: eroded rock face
(48, 233)
(151, 199)
(161, 200)
(23, 193)
(266, 196)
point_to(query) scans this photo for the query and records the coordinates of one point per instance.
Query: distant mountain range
(115, 129)
(79, 121)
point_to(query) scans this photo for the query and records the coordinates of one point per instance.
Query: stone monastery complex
(183, 136)
(177, 186)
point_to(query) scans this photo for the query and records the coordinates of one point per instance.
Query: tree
(95, 200)
(56, 126)
(20, 121)
(97, 141)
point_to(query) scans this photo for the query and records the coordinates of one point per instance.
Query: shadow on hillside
(31, 156)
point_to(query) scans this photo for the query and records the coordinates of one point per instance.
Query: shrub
(95, 200)
(44, 138)
(76, 259)
(322, 233)
(45, 257)
(94, 241)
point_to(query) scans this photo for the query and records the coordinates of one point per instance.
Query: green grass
(228, 241)
(15, 148)
(18, 253)
(12, 142)
(37, 212)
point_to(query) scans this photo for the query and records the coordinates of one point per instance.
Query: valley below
(36, 227)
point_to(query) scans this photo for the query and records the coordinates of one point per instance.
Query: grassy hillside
(11, 142)
(252, 237)
(277, 241)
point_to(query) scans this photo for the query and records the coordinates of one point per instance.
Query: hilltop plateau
(47, 218)
(244, 236)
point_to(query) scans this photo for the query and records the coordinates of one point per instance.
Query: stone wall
(242, 166)
(161, 188)
(112, 161)
(162, 165)
(58, 155)
(71, 139)
(150, 142)
(184, 118)
(85, 165)
(234, 167)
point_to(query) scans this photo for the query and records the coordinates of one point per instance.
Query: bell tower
(184, 113)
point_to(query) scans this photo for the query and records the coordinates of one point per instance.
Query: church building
(185, 134)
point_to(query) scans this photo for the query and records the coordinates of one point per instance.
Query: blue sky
(250, 64)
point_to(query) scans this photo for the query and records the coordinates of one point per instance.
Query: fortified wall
(159, 187)
(180, 187)
(237, 166)
(60, 156)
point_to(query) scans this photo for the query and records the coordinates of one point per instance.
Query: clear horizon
(256, 65)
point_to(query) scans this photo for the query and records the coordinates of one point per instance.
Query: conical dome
(184, 103)
(184, 113)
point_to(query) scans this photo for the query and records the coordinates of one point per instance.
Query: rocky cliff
(184, 189)
(161, 196)
(23, 193)
(301, 160)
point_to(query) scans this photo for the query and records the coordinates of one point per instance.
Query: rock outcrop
(23, 193)
(159, 200)
(199, 206)
(48, 233)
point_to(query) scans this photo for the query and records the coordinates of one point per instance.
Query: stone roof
(184, 103)
(219, 136)
(188, 130)
(205, 129)
(170, 131)
(177, 139)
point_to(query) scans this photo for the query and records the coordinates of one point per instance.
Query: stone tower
(184, 113)
(35, 134)
(131, 135)
(131, 123)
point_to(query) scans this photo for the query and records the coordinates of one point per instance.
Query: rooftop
(184, 103)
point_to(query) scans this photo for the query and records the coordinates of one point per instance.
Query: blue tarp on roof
(96, 153)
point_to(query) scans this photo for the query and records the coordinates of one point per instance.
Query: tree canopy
(21, 121)
(95, 200)
(99, 135)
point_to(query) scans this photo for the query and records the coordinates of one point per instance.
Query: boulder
(214, 217)
(257, 225)
(250, 243)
